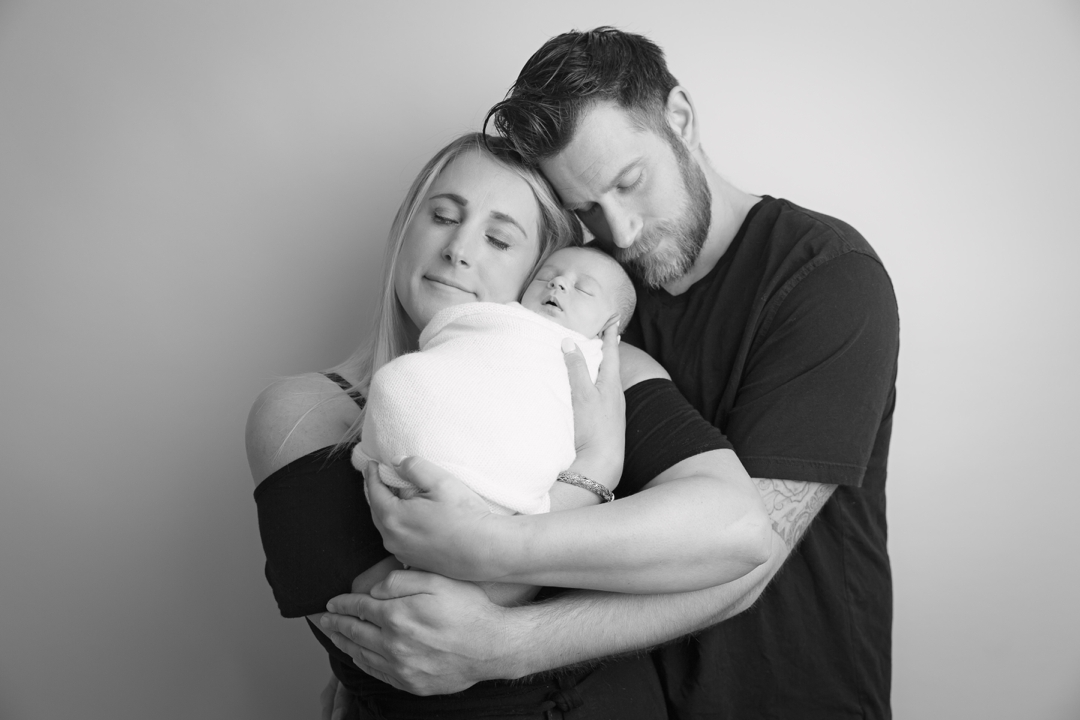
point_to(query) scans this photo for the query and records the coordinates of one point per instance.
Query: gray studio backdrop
(193, 200)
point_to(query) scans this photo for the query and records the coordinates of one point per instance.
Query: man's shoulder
(810, 231)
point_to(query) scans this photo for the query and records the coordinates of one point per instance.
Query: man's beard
(666, 250)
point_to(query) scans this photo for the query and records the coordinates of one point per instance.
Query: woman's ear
(681, 117)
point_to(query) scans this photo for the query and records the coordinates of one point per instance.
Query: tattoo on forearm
(792, 505)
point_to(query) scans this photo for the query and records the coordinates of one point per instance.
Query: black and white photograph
(578, 360)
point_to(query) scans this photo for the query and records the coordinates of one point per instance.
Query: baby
(488, 396)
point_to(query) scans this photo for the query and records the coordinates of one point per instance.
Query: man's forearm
(429, 634)
(579, 626)
(700, 524)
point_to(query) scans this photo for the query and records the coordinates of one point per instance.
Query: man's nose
(624, 228)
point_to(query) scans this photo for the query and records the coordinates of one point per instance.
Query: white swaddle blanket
(487, 397)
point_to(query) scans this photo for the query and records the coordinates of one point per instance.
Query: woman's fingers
(580, 382)
(401, 583)
(379, 496)
(608, 376)
(342, 699)
(425, 475)
(335, 699)
(328, 698)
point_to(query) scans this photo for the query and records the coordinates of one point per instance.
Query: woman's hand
(445, 527)
(599, 412)
(335, 700)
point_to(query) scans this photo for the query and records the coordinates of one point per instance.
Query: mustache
(645, 243)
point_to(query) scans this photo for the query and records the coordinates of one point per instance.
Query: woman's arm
(699, 523)
(315, 526)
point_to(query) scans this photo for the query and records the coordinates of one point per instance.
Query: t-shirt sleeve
(662, 430)
(820, 376)
(316, 531)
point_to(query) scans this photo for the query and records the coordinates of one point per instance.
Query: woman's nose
(456, 250)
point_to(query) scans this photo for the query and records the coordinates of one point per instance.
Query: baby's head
(581, 288)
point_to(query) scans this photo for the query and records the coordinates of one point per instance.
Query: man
(780, 326)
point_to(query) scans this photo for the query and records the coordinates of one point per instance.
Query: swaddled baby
(487, 397)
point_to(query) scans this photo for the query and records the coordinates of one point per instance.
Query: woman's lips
(446, 282)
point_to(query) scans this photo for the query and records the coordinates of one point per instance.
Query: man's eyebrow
(625, 169)
(577, 207)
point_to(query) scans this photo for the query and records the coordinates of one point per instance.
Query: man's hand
(445, 527)
(422, 633)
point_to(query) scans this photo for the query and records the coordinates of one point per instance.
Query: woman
(474, 226)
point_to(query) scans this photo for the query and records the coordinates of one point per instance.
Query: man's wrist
(516, 656)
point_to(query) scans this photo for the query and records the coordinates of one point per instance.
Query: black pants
(623, 690)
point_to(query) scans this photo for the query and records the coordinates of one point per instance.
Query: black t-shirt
(318, 534)
(789, 347)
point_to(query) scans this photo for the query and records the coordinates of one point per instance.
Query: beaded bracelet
(575, 478)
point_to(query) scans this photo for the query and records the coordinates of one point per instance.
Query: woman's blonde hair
(558, 229)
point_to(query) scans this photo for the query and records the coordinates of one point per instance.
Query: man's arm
(699, 523)
(413, 632)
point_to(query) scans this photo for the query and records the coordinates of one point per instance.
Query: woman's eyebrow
(496, 214)
(452, 197)
(508, 219)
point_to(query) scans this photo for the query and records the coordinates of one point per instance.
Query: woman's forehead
(479, 172)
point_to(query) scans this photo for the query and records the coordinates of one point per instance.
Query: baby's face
(575, 288)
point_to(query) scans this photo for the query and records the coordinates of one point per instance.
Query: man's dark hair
(570, 73)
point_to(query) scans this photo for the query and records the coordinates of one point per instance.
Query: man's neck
(730, 206)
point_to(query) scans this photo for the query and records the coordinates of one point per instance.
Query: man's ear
(681, 117)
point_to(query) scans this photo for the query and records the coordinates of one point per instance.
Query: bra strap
(345, 385)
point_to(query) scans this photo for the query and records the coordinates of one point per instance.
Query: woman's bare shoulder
(295, 416)
(636, 365)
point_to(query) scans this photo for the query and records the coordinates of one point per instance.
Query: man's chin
(658, 268)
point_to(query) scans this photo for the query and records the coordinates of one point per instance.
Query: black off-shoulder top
(318, 534)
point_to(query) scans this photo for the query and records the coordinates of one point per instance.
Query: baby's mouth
(552, 302)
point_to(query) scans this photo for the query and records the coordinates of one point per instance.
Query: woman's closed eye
(497, 243)
(443, 219)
